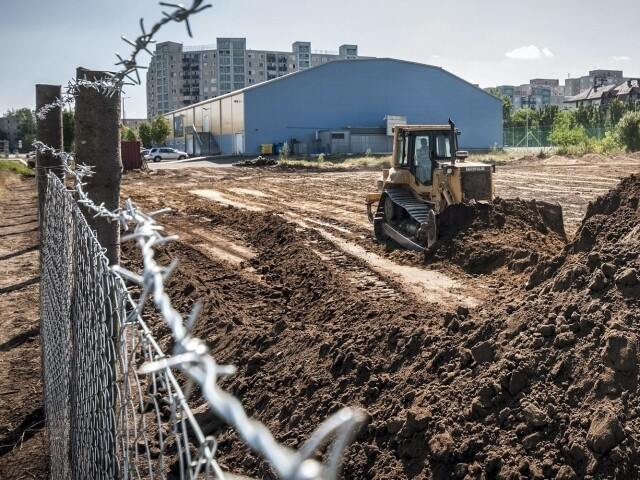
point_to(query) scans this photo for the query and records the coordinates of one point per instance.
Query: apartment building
(180, 75)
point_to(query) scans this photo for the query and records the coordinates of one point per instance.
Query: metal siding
(360, 93)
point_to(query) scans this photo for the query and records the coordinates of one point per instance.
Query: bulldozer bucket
(552, 215)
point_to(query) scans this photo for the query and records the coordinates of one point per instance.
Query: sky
(488, 43)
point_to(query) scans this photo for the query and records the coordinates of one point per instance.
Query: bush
(564, 135)
(628, 131)
(607, 145)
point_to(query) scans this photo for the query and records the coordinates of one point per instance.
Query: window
(337, 136)
(238, 78)
(443, 149)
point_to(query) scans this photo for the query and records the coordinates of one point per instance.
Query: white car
(166, 153)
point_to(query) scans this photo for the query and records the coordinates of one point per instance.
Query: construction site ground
(505, 351)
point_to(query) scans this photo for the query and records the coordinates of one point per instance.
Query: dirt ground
(505, 351)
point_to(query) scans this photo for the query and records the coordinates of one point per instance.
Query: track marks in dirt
(334, 241)
(385, 278)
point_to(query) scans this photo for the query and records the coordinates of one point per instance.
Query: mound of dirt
(557, 395)
(538, 384)
(481, 237)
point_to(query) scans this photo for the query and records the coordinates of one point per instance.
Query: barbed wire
(114, 81)
(192, 356)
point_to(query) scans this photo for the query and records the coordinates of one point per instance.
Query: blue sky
(488, 43)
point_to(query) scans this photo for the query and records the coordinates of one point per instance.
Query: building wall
(337, 96)
(361, 93)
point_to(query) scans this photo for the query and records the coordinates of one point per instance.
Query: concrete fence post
(98, 145)
(49, 132)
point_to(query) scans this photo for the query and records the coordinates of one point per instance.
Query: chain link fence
(523, 137)
(114, 408)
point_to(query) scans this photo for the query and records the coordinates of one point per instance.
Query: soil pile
(539, 384)
(555, 370)
(481, 237)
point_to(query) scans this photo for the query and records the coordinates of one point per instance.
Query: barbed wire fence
(114, 407)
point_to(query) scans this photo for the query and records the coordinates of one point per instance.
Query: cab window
(402, 151)
(443, 147)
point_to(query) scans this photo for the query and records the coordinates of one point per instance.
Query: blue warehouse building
(344, 106)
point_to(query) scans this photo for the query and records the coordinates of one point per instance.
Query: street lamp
(123, 115)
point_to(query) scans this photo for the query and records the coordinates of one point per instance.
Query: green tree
(547, 115)
(581, 116)
(68, 130)
(523, 117)
(567, 132)
(507, 108)
(26, 125)
(628, 131)
(128, 134)
(160, 129)
(616, 110)
(144, 130)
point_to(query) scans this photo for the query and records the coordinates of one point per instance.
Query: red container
(131, 158)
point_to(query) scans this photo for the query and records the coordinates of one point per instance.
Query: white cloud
(530, 52)
(621, 57)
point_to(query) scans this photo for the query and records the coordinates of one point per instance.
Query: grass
(16, 167)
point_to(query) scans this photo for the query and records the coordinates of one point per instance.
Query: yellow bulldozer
(428, 173)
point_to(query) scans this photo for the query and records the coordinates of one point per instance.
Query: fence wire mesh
(114, 407)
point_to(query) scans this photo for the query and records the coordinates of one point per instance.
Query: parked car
(166, 153)
(144, 152)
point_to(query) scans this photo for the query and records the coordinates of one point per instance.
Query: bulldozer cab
(420, 149)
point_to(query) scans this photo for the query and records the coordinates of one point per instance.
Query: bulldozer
(428, 174)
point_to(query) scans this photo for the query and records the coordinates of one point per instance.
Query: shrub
(368, 153)
(606, 145)
(565, 135)
(628, 131)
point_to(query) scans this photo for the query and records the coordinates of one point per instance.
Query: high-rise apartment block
(182, 75)
(540, 92)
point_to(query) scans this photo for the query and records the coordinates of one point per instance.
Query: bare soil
(505, 351)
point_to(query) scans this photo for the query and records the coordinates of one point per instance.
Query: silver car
(166, 153)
